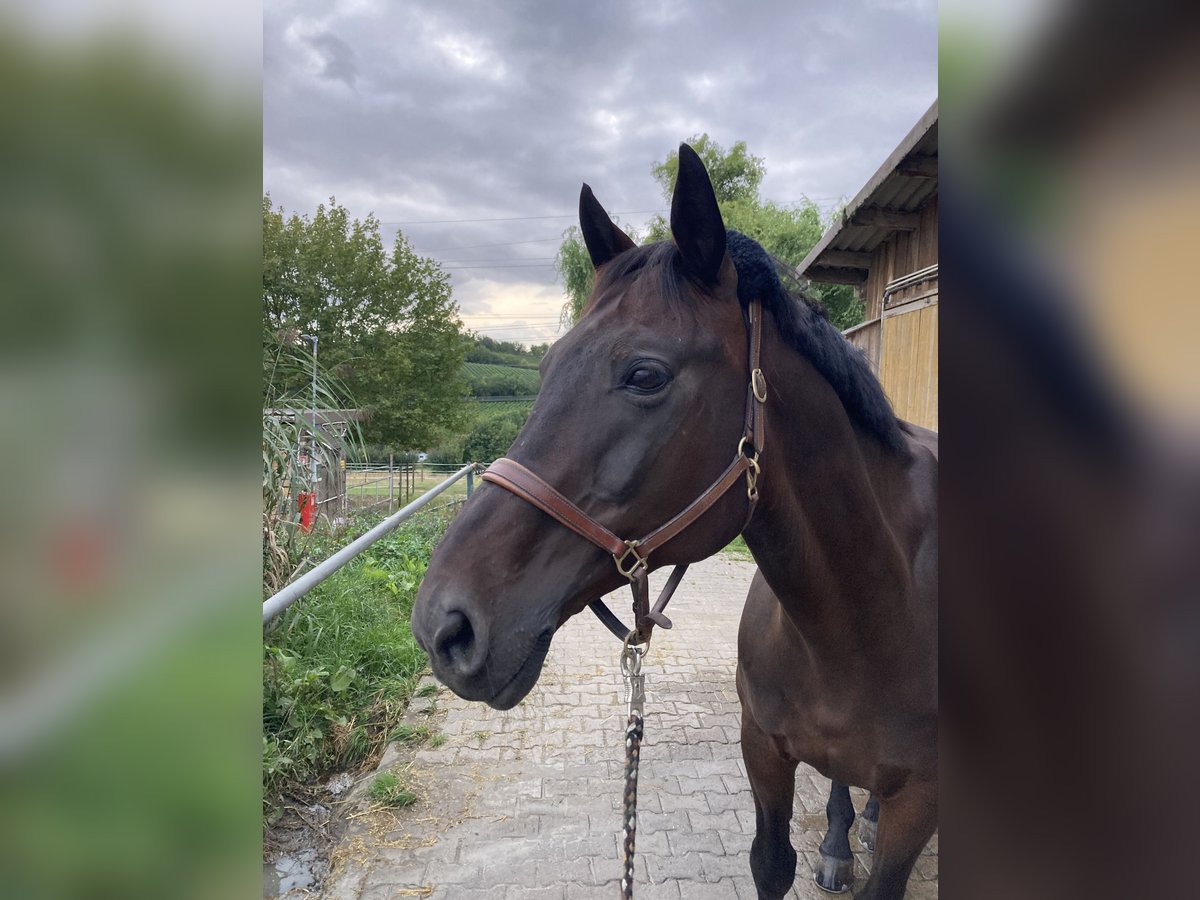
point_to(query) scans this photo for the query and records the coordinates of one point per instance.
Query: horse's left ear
(696, 219)
(601, 236)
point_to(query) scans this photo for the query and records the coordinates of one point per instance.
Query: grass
(737, 549)
(389, 790)
(340, 666)
(412, 734)
(427, 690)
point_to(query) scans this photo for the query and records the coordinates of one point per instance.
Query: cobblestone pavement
(526, 803)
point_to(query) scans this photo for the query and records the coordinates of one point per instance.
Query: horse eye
(647, 379)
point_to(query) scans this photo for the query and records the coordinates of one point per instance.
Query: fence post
(391, 464)
(470, 483)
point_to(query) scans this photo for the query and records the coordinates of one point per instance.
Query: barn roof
(887, 203)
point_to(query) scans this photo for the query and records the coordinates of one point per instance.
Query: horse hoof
(834, 875)
(866, 833)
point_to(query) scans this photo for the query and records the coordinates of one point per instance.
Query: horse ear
(603, 238)
(696, 219)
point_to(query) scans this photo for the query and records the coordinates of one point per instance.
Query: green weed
(412, 734)
(340, 666)
(388, 790)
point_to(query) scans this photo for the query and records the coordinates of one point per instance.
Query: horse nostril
(455, 642)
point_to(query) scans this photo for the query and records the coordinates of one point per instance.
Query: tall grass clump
(340, 665)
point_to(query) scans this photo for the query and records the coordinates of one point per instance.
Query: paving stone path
(526, 803)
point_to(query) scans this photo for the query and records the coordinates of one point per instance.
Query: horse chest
(831, 730)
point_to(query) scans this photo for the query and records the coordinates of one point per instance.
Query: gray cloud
(474, 110)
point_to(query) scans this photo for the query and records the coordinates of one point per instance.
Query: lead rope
(635, 696)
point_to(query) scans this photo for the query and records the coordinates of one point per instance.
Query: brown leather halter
(633, 556)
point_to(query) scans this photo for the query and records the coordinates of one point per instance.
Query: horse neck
(822, 533)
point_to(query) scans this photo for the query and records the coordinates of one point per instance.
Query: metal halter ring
(631, 656)
(638, 560)
(758, 384)
(741, 451)
(752, 474)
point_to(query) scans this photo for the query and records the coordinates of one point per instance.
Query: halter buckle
(639, 561)
(758, 384)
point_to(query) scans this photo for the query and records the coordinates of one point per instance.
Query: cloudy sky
(470, 125)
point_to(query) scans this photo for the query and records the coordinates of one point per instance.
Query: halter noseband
(633, 556)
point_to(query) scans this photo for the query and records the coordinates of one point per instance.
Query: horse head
(641, 408)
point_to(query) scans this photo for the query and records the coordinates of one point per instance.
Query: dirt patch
(322, 826)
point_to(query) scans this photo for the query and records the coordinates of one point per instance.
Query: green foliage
(389, 790)
(483, 349)
(735, 175)
(501, 381)
(339, 665)
(288, 385)
(786, 232)
(386, 320)
(411, 734)
(492, 435)
(447, 454)
(574, 267)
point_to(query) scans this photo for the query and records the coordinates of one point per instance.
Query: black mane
(804, 326)
(801, 321)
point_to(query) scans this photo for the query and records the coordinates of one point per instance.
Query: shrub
(340, 665)
(492, 436)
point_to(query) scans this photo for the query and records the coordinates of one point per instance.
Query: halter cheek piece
(632, 557)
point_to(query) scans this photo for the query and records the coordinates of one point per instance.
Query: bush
(450, 454)
(492, 436)
(340, 665)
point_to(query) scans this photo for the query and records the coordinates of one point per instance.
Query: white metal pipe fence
(289, 594)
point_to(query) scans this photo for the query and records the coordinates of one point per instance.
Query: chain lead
(635, 696)
(635, 681)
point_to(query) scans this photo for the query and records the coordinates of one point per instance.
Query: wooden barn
(886, 245)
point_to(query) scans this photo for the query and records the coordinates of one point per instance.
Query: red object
(308, 510)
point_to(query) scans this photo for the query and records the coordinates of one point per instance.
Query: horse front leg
(836, 869)
(907, 821)
(773, 783)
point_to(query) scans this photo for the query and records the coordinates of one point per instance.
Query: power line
(498, 259)
(503, 244)
(531, 266)
(571, 215)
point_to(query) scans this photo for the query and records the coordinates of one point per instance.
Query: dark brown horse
(640, 412)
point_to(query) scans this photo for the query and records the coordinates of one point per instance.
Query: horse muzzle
(466, 661)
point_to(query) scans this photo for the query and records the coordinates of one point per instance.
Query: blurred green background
(130, 171)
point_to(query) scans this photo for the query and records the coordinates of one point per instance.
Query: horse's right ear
(603, 238)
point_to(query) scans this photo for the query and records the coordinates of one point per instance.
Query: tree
(735, 175)
(787, 233)
(386, 322)
(574, 267)
(493, 435)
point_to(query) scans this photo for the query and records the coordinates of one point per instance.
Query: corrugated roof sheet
(890, 189)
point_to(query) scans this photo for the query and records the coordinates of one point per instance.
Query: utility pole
(312, 441)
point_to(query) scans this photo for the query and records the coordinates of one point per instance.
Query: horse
(640, 411)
